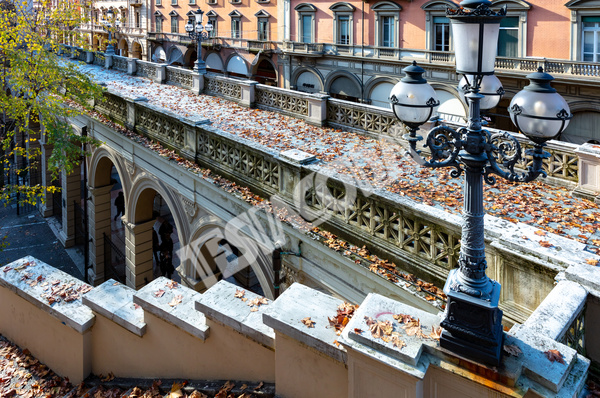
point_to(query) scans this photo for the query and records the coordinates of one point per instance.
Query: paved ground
(31, 234)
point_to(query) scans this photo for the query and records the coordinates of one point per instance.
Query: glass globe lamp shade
(189, 27)
(208, 27)
(490, 87)
(475, 30)
(110, 14)
(538, 110)
(199, 27)
(412, 98)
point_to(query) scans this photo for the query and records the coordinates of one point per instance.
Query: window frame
(306, 10)
(236, 18)
(434, 9)
(579, 10)
(387, 9)
(263, 17)
(343, 10)
(212, 17)
(174, 17)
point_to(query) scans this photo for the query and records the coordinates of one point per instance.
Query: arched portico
(216, 251)
(140, 220)
(100, 186)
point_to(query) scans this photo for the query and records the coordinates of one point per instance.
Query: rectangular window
(235, 28)
(173, 2)
(138, 20)
(590, 46)
(213, 22)
(387, 31)
(158, 24)
(263, 29)
(307, 29)
(441, 31)
(158, 2)
(192, 2)
(343, 29)
(174, 25)
(508, 39)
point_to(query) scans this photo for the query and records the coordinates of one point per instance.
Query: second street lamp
(198, 32)
(473, 322)
(111, 25)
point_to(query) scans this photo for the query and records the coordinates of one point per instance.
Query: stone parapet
(387, 346)
(589, 172)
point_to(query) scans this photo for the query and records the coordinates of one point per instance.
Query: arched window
(387, 17)
(585, 30)
(306, 22)
(343, 23)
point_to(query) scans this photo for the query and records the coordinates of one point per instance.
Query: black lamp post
(473, 321)
(199, 32)
(110, 25)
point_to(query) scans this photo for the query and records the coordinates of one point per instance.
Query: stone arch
(343, 85)
(214, 63)
(159, 55)
(236, 65)
(190, 56)
(136, 50)
(210, 229)
(98, 162)
(375, 84)
(297, 75)
(123, 47)
(264, 70)
(137, 214)
(512, 4)
(175, 57)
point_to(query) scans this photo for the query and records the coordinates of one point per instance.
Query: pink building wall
(548, 26)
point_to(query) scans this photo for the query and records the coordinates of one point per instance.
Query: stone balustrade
(562, 167)
(421, 239)
(165, 330)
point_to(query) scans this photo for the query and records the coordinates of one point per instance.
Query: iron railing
(114, 260)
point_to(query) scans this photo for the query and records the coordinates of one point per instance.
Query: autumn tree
(37, 84)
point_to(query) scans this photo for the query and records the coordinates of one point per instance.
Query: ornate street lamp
(473, 322)
(199, 32)
(110, 25)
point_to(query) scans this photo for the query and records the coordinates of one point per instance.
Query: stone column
(99, 223)
(138, 253)
(317, 109)
(248, 92)
(71, 192)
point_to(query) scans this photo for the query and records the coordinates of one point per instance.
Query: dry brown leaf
(176, 300)
(159, 293)
(308, 322)
(397, 342)
(591, 261)
(259, 386)
(554, 355)
(239, 293)
(545, 243)
(172, 284)
(435, 333)
(198, 394)
(539, 232)
(512, 350)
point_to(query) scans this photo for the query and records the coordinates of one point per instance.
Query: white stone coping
(533, 361)
(183, 315)
(586, 275)
(219, 304)
(559, 309)
(18, 278)
(115, 301)
(298, 156)
(299, 302)
(589, 150)
(380, 308)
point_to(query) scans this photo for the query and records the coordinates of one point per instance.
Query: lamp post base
(472, 326)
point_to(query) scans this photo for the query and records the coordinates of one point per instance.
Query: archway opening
(380, 95)
(308, 82)
(191, 55)
(212, 257)
(164, 237)
(123, 48)
(582, 128)
(237, 67)
(345, 89)
(451, 107)
(265, 73)
(214, 63)
(136, 50)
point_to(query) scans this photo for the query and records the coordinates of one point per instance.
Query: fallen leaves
(345, 311)
(591, 261)
(512, 350)
(176, 300)
(554, 356)
(159, 293)
(308, 322)
(239, 293)
(257, 302)
(545, 243)
(172, 284)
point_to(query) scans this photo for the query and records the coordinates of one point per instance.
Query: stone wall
(165, 330)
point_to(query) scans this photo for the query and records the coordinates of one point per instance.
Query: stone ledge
(219, 304)
(381, 308)
(558, 310)
(299, 302)
(536, 366)
(586, 275)
(18, 278)
(115, 301)
(183, 315)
